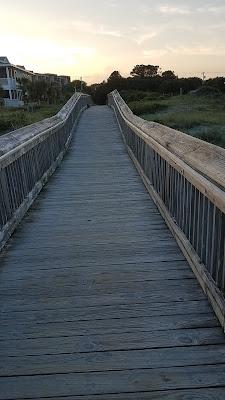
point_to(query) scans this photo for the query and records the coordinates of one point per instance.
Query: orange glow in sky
(91, 39)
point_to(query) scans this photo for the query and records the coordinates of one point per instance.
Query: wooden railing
(185, 177)
(28, 156)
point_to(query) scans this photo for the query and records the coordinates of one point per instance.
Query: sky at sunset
(92, 38)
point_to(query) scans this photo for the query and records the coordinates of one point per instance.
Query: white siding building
(10, 76)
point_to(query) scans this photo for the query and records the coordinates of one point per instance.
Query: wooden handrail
(187, 190)
(14, 139)
(206, 158)
(28, 157)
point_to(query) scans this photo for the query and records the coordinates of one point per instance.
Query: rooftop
(4, 60)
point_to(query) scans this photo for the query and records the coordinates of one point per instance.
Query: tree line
(42, 91)
(150, 78)
(143, 78)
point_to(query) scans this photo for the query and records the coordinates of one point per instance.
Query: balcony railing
(9, 83)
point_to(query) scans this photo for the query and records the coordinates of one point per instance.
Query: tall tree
(114, 76)
(25, 85)
(218, 82)
(53, 94)
(144, 71)
(169, 75)
(116, 81)
(79, 85)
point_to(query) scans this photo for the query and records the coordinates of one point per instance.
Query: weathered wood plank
(133, 310)
(140, 324)
(216, 393)
(72, 300)
(112, 382)
(101, 286)
(145, 271)
(111, 361)
(112, 341)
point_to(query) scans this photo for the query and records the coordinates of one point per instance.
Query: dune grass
(11, 119)
(199, 116)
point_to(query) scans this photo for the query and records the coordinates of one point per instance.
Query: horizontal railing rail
(28, 157)
(185, 177)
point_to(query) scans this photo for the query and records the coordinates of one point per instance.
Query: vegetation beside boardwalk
(11, 119)
(200, 116)
(41, 101)
(190, 105)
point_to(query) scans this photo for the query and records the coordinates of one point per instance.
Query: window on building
(3, 72)
(6, 94)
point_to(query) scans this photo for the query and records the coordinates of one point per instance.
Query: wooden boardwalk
(97, 301)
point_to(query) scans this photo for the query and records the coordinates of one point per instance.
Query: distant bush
(212, 136)
(5, 126)
(218, 82)
(13, 120)
(19, 119)
(164, 97)
(145, 107)
(179, 124)
(154, 96)
(206, 91)
(132, 95)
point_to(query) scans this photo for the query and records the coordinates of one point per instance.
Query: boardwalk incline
(97, 299)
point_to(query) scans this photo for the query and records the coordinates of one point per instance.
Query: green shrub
(133, 95)
(11, 119)
(153, 96)
(145, 107)
(177, 123)
(205, 90)
(5, 126)
(212, 136)
(136, 95)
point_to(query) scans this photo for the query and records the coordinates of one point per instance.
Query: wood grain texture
(97, 300)
(188, 394)
(206, 158)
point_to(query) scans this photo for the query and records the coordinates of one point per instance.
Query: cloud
(216, 27)
(105, 32)
(186, 51)
(112, 3)
(199, 50)
(166, 9)
(145, 36)
(212, 10)
(177, 10)
(141, 34)
(154, 53)
(88, 27)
